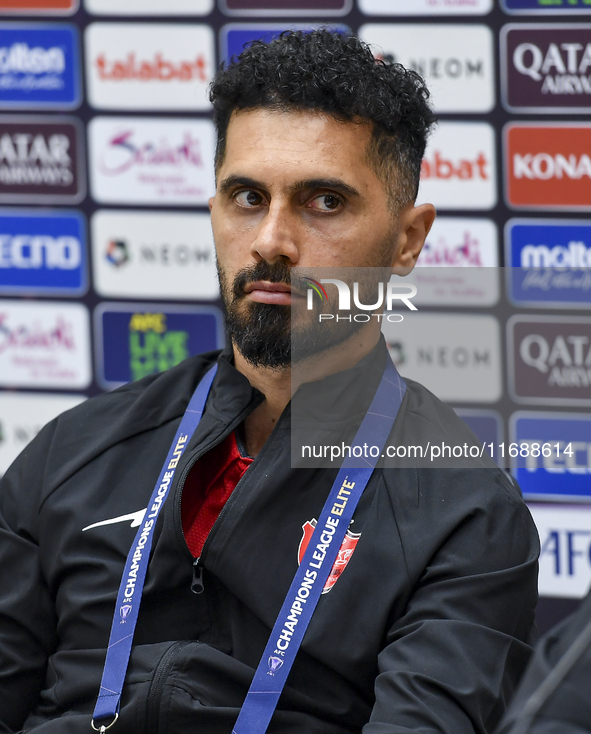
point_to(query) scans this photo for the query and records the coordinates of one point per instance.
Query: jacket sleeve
(453, 659)
(27, 616)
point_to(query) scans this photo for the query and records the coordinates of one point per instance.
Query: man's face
(294, 189)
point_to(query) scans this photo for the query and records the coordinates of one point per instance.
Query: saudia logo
(34, 337)
(344, 302)
(128, 154)
(465, 253)
(156, 69)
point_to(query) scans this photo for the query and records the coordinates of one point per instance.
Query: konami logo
(458, 171)
(149, 66)
(548, 165)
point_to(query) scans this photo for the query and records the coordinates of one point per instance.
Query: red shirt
(207, 487)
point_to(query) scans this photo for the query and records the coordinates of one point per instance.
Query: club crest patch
(344, 556)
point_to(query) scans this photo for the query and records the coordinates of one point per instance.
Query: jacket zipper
(157, 686)
(197, 583)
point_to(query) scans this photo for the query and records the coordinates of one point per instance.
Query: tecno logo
(131, 66)
(458, 170)
(26, 252)
(548, 165)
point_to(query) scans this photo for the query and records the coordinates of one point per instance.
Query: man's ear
(210, 202)
(414, 225)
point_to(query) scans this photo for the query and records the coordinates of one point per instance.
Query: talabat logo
(39, 66)
(149, 7)
(425, 7)
(550, 262)
(546, 7)
(548, 166)
(458, 170)
(44, 345)
(134, 341)
(23, 416)
(132, 66)
(151, 160)
(286, 7)
(565, 554)
(42, 253)
(546, 68)
(457, 356)
(550, 359)
(41, 160)
(38, 7)
(457, 65)
(553, 456)
(148, 254)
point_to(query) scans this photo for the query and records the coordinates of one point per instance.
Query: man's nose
(277, 234)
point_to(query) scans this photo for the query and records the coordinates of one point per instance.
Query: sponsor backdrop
(107, 264)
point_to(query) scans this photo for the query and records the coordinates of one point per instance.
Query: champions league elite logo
(274, 664)
(344, 556)
(124, 612)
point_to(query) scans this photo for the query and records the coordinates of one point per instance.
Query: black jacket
(427, 629)
(554, 696)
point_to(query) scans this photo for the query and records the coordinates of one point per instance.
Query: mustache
(276, 272)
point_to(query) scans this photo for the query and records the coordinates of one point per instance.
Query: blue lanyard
(306, 587)
(136, 566)
(321, 553)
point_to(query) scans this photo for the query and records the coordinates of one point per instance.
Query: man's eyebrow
(231, 181)
(336, 184)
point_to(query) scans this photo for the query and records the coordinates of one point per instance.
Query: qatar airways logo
(141, 66)
(546, 68)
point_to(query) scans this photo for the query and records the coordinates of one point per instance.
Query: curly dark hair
(336, 74)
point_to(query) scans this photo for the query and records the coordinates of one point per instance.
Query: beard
(275, 336)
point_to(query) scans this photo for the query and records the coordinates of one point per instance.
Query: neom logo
(548, 165)
(156, 69)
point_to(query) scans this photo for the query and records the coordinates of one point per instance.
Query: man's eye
(326, 202)
(248, 198)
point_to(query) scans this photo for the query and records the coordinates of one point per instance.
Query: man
(427, 627)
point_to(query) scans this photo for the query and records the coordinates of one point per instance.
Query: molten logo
(548, 165)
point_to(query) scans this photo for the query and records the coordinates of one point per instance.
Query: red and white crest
(344, 556)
